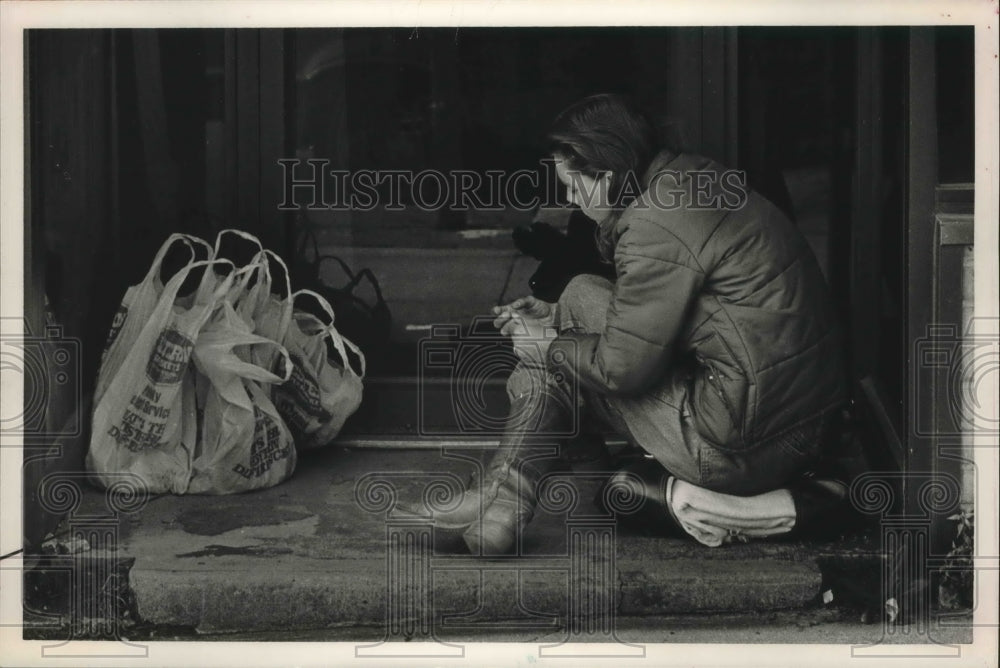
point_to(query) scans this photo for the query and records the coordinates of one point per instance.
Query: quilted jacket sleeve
(658, 280)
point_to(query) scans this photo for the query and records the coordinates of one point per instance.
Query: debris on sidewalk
(65, 545)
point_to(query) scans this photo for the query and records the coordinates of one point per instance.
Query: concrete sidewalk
(329, 549)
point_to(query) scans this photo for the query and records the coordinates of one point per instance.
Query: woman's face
(586, 192)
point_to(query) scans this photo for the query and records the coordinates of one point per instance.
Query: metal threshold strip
(393, 402)
(410, 442)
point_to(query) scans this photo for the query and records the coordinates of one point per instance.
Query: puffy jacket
(717, 286)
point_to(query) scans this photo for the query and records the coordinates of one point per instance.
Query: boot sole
(451, 526)
(474, 540)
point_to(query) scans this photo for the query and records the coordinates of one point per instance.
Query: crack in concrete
(620, 603)
(242, 551)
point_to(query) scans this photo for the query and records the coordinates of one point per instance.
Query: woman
(715, 350)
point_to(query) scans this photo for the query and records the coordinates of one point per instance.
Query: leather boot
(509, 497)
(492, 514)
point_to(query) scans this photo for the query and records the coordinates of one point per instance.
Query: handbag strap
(308, 237)
(354, 279)
(367, 273)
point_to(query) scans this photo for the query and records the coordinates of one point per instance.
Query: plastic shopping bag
(250, 276)
(135, 310)
(272, 313)
(268, 314)
(323, 390)
(142, 422)
(243, 442)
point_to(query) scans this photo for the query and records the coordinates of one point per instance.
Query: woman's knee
(523, 381)
(584, 303)
(529, 383)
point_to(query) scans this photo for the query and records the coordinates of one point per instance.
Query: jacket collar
(659, 163)
(608, 231)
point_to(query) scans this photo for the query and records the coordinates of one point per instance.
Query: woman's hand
(523, 308)
(530, 323)
(531, 338)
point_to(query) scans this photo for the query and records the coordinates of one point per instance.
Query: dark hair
(606, 133)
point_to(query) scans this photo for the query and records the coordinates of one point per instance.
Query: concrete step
(332, 547)
(635, 637)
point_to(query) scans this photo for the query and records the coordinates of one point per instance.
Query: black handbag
(561, 256)
(367, 324)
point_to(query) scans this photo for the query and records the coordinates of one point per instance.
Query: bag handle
(222, 287)
(259, 373)
(154, 269)
(173, 286)
(239, 233)
(284, 268)
(320, 299)
(209, 288)
(263, 291)
(339, 341)
(261, 264)
(247, 302)
(246, 272)
(242, 276)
